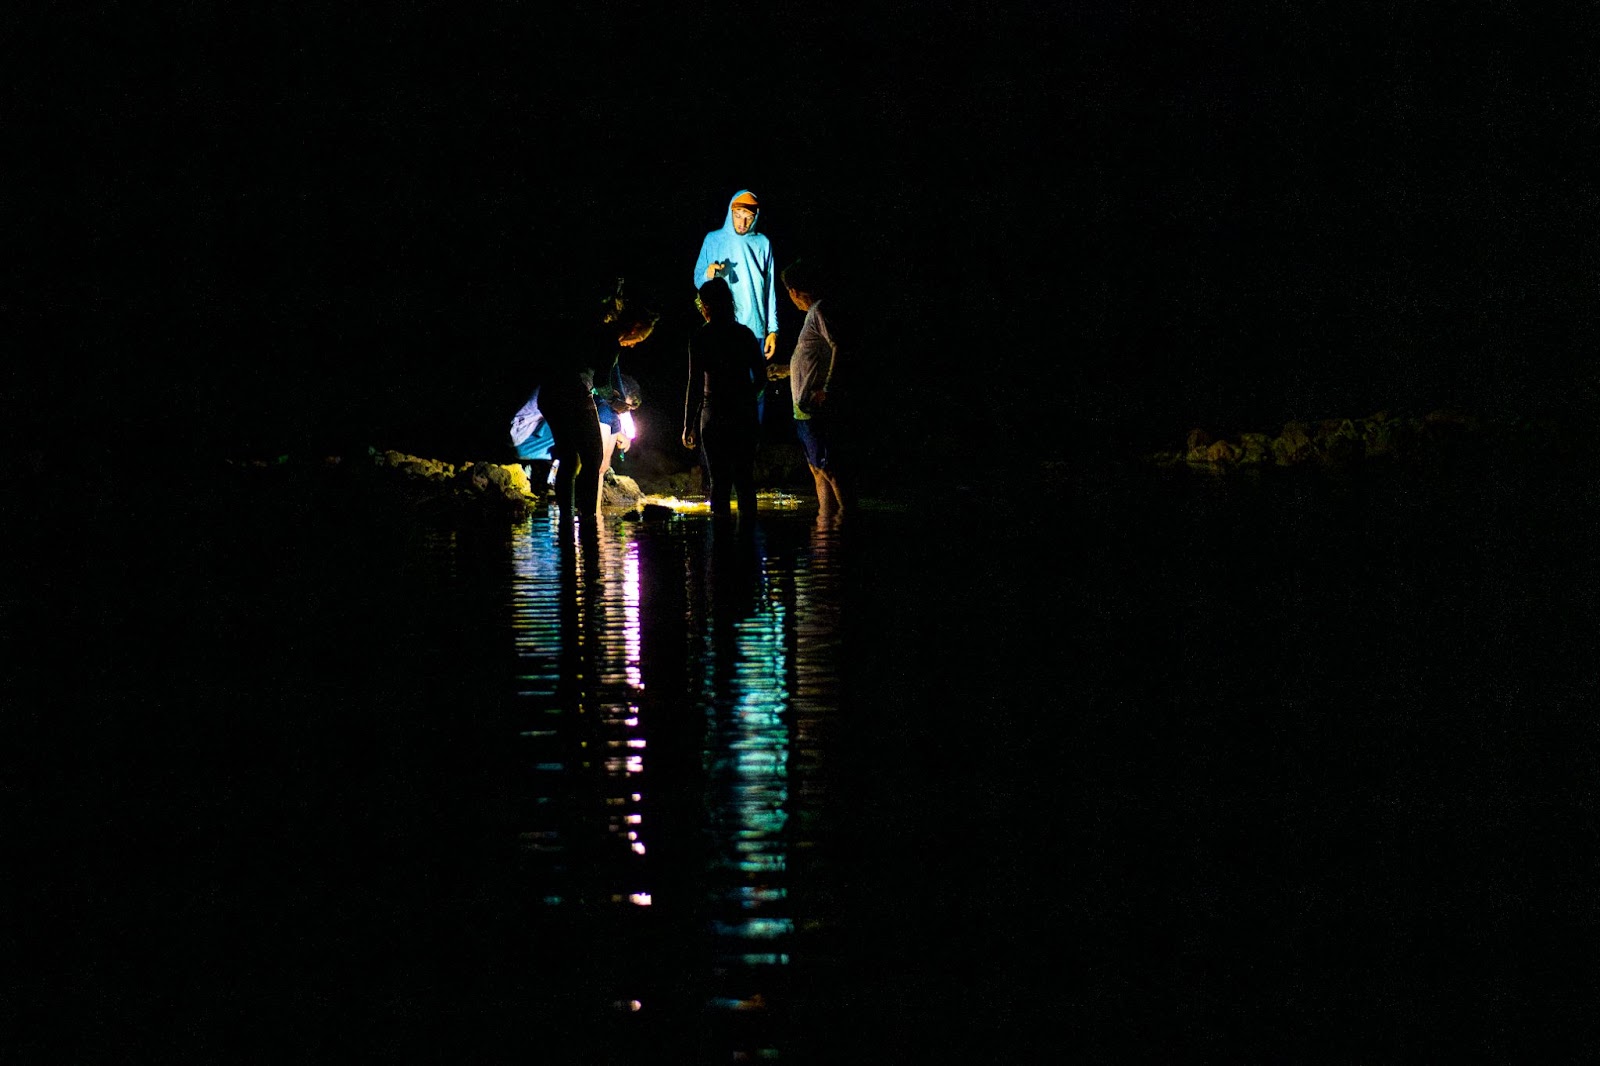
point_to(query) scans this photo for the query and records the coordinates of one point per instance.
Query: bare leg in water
(830, 499)
(608, 448)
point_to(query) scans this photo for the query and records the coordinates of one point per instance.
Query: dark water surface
(1105, 765)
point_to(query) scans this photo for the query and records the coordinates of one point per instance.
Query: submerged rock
(654, 512)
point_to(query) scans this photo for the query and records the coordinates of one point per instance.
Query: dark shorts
(817, 438)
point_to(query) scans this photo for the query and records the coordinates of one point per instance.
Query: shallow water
(1142, 766)
(678, 683)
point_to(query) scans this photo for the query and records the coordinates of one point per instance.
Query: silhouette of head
(633, 321)
(804, 281)
(717, 299)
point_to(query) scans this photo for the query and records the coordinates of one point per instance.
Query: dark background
(316, 227)
(244, 232)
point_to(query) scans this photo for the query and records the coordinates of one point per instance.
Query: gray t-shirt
(812, 365)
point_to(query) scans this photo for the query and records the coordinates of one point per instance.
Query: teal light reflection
(744, 689)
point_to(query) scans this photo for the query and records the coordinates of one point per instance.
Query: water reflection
(742, 633)
(743, 690)
(575, 614)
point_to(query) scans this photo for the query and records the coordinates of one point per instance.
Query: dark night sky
(321, 225)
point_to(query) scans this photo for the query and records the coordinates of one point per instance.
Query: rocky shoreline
(1381, 442)
(435, 486)
(1343, 443)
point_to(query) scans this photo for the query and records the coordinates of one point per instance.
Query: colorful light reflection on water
(759, 635)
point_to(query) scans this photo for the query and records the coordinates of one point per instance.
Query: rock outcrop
(1343, 442)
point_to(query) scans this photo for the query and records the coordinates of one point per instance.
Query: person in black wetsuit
(726, 373)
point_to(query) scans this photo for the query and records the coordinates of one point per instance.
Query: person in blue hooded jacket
(740, 256)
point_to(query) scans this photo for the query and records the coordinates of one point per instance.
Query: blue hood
(748, 269)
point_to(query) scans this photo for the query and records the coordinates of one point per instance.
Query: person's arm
(693, 399)
(705, 268)
(808, 365)
(771, 347)
(826, 332)
(619, 388)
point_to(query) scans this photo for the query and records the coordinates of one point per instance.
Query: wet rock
(620, 492)
(1254, 448)
(1293, 445)
(1340, 442)
(1379, 437)
(432, 484)
(414, 466)
(1343, 442)
(510, 483)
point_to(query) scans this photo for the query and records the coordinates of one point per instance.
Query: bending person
(615, 393)
(567, 400)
